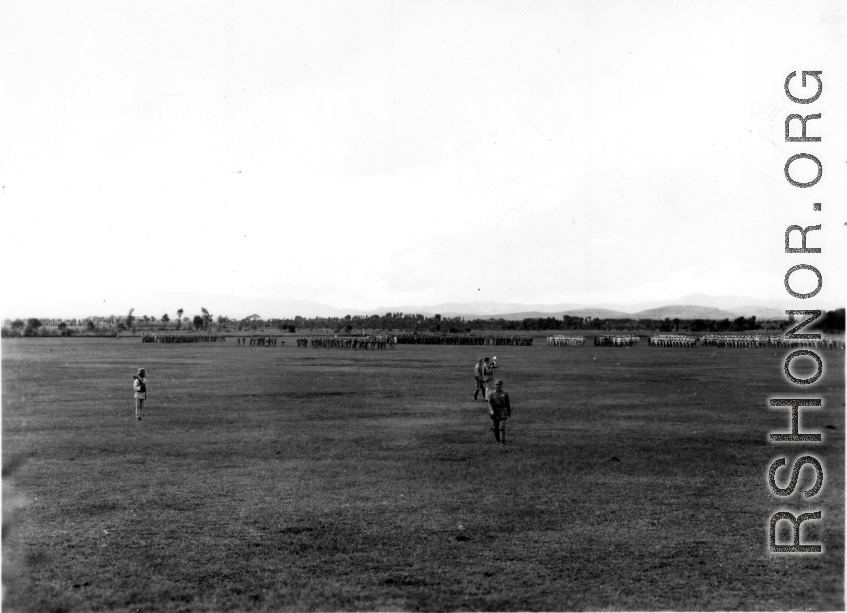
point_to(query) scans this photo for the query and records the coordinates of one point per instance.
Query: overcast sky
(375, 153)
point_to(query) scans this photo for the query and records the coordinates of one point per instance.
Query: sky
(365, 154)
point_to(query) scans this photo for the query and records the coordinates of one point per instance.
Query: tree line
(830, 322)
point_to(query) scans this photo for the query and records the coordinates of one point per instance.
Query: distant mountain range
(155, 303)
(682, 311)
(693, 306)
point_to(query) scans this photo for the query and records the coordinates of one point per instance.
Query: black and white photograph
(423, 306)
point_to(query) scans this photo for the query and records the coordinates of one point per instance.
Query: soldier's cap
(498, 382)
(141, 370)
(486, 359)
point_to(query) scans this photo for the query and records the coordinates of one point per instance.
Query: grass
(269, 479)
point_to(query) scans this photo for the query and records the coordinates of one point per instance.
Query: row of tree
(112, 324)
(830, 322)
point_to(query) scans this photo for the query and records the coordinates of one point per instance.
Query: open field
(309, 479)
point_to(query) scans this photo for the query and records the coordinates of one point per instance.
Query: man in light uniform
(488, 374)
(140, 385)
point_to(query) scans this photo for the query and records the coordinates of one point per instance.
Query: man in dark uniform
(478, 379)
(499, 410)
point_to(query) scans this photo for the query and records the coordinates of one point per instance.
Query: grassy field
(309, 479)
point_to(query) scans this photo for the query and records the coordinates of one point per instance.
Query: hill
(684, 311)
(598, 313)
(762, 313)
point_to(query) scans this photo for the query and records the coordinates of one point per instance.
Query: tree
(17, 324)
(130, 318)
(179, 313)
(198, 322)
(32, 326)
(207, 318)
(165, 318)
(222, 319)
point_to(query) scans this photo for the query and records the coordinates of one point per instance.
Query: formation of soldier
(155, 337)
(559, 340)
(433, 338)
(672, 340)
(260, 341)
(762, 340)
(616, 340)
(348, 342)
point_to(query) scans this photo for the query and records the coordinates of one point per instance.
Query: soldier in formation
(746, 341)
(382, 341)
(672, 340)
(155, 337)
(559, 340)
(431, 338)
(616, 340)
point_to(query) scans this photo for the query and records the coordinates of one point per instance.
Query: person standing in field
(488, 374)
(140, 385)
(499, 410)
(478, 379)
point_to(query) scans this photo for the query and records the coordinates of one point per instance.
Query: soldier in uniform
(488, 374)
(478, 379)
(499, 410)
(140, 385)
